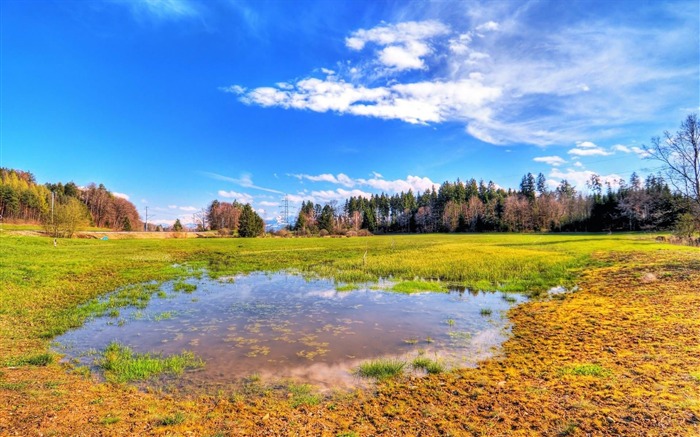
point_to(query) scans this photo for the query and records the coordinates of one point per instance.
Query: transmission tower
(284, 211)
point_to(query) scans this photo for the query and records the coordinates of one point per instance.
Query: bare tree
(680, 154)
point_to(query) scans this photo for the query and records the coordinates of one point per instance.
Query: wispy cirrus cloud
(161, 9)
(504, 77)
(245, 181)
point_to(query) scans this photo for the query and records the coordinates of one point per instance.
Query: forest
(634, 205)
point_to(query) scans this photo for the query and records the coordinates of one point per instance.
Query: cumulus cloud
(551, 160)
(415, 183)
(634, 149)
(578, 178)
(415, 103)
(120, 195)
(341, 178)
(234, 195)
(587, 148)
(403, 46)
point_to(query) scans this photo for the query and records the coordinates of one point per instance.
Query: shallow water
(281, 326)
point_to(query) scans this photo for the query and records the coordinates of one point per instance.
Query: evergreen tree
(251, 224)
(177, 227)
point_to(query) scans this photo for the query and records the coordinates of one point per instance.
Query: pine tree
(177, 227)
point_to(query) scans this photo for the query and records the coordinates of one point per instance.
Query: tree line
(473, 206)
(63, 208)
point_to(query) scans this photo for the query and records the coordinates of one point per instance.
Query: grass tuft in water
(184, 287)
(430, 366)
(409, 287)
(121, 364)
(486, 311)
(347, 287)
(381, 368)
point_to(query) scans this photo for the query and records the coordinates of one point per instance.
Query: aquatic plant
(381, 368)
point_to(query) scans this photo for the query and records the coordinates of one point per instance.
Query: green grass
(585, 370)
(381, 368)
(430, 366)
(184, 287)
(695, 376)
(347, 287)
(486, 311)
(42, 359)
(121, 364)
(172, 419)
(302, 394)
(409, 287)
(46, 290)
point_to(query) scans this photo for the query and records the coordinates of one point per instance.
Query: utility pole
(146, 225)
(52, 197)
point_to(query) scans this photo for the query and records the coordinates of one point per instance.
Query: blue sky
(176, 103)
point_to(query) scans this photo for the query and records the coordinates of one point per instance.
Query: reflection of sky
(285, 326)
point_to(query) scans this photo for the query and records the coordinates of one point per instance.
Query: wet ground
(282, 326)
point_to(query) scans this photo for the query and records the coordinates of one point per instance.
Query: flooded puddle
(281, 326)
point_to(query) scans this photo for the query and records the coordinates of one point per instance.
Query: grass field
(637, 298)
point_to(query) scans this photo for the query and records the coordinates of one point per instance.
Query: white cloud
(587, 148)
(551, 160)
(404, 45)
(184, 208)
(245, 181)
(578, 178)
(640, 152)
(161, 9)
(120, 195)
(487, 27)
(508, 80)
(415, 103)
(621, 148)
(239, 197)
(415, 183)
(267, 203)
(339, 194)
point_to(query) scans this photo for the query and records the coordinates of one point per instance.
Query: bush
(323, 233)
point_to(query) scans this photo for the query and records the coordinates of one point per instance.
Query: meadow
(637, 297)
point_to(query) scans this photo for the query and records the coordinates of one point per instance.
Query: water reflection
(282, 326)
